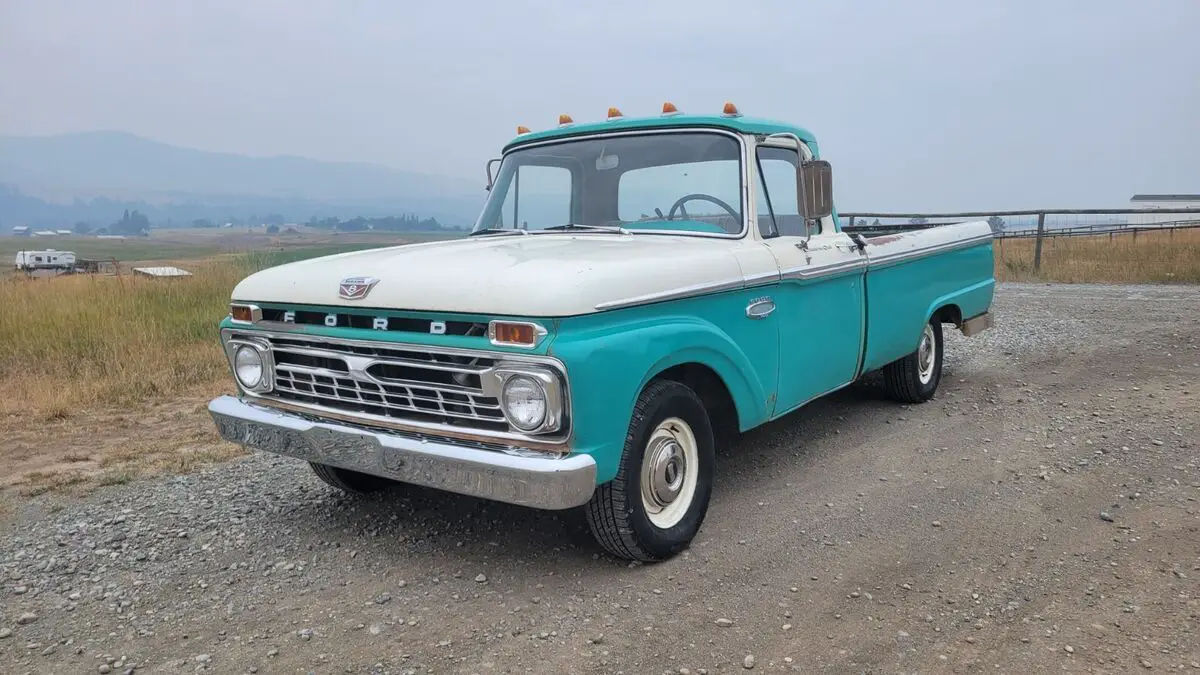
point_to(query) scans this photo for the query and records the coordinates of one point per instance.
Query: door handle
(760, 308)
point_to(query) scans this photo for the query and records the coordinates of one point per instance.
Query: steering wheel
(678, 205)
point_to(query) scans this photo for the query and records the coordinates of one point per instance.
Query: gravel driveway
(1040, 513)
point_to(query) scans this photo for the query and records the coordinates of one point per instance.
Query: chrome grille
(402, 383)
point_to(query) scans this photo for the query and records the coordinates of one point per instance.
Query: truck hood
(544, 275)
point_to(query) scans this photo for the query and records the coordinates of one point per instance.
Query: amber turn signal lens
(506, 333)
(522, 130)
(565, 119)
(242, 313)
(669, 108)
(613, 113)
(730, 109)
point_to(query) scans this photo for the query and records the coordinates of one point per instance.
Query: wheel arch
(713, 392)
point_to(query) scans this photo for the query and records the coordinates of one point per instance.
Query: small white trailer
(49, 259)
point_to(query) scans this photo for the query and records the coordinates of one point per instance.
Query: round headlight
(248, 366)
(524, 402)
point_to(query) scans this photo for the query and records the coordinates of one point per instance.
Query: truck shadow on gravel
(413, 520)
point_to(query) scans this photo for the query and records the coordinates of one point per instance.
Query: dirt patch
(79, 450)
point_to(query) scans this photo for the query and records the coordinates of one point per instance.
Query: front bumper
(539, 482)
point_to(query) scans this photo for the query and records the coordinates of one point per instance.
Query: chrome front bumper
(539, 482)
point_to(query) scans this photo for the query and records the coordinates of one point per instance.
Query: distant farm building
(63, 233)
(1155, 202)
(45, 233)
(21, 231)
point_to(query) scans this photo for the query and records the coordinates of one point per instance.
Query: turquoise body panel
(610, 356)
(821, 331)
(902, 296)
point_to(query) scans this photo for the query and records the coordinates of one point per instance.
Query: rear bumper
(539, 482)
(977, 324)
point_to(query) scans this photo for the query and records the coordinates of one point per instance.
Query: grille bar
(398, 383)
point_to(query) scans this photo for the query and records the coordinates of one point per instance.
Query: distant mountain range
(94, 177)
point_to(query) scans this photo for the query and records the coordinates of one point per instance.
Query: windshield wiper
(595, 228)
(498, 230)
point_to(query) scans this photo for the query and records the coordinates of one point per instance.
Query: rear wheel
(656, 504)
(353, 482)
(915, 378)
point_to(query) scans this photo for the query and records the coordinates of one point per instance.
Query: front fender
(611, 356)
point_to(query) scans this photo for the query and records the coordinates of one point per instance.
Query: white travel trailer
(49, 259)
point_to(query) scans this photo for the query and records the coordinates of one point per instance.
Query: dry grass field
(105, 377)
(1147, 257)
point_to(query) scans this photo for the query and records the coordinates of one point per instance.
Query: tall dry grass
(79, 340)
(1148, 257)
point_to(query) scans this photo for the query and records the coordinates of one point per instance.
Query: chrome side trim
(675, 294)
(923, 251)
(803, 273)
(539, 482)
(809, 272)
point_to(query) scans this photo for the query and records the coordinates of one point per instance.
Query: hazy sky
(919, 104)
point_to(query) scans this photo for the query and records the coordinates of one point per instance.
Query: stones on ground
(724, 623)
(480, 578)
(304, 634)
(202, 658)
(105, 669)
(1069, 649)
(27, 618)
(383, 598)
(5, 633)
(936, 523)
(1106, 516)
(748, 662)
(20, 590)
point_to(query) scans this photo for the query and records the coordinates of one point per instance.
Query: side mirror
(491, 180)
(815, 180)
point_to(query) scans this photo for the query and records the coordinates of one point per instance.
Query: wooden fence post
(1037, 247)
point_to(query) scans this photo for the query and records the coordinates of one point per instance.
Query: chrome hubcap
(668, 476)
(926, 353)
(665, 472)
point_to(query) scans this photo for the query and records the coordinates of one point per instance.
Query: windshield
(677, 182)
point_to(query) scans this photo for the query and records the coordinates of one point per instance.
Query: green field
(177, 245)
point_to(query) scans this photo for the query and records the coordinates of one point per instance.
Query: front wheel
(655, 505)
(915, 378)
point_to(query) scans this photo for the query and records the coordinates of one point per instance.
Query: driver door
(820, 299)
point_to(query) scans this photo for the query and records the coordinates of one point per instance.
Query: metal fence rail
(1190, 219)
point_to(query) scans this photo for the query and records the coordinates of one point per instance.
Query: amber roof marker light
(669, 109)
(521, 131)
(730, 110)
(614, 114)
(565, 120)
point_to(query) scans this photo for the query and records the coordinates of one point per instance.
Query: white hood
(536, 275)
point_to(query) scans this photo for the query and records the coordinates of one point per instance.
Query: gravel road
(1040, 513)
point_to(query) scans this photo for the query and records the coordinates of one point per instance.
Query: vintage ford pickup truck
(635, 292)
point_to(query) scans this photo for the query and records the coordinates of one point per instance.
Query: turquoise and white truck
(634, 293)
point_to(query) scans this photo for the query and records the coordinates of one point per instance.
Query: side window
(778, 195)
(537, 197)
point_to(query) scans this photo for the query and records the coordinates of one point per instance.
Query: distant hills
(94, 177)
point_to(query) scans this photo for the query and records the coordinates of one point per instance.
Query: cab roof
(746, 125)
